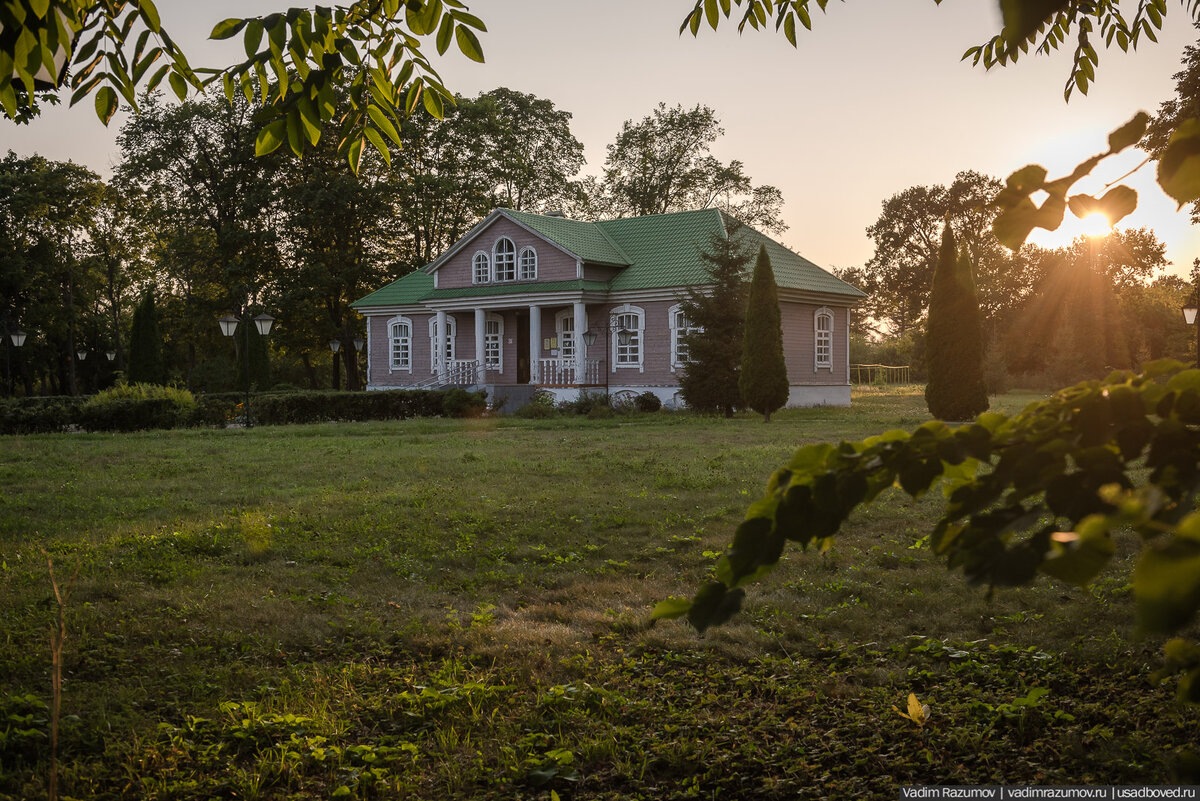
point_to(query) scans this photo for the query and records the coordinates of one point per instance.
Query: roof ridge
(613, 242)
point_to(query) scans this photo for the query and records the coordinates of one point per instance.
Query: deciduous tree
(663, 164)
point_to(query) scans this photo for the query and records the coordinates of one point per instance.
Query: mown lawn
(448, 609)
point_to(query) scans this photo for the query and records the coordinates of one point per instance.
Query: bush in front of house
(647, 402)
(139, 407)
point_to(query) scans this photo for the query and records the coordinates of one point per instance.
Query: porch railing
(567, 373)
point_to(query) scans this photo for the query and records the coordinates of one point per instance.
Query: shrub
(137, 407)
(38, 415)
(460, 403)
(647, 402)
(763, 380)
(600, 412)
(585, 403)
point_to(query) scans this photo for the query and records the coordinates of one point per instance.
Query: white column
(367, 381)
(580, 346)
(535, 342)
(480, 346)
(439, 342)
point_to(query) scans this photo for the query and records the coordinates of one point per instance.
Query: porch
(547, 372)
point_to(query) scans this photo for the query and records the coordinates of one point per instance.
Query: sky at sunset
(875, 100)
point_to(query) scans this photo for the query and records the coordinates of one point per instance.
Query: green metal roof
(656, 251)
(665, 251)
(586, 240)
(404, 291)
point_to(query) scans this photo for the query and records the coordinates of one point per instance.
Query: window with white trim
(493, 338)
(400, 343)
(823, 348)
(527, 264)
(504, 259)
(564, 326)
(680, 327)
(627, 318)
(481, 268)
(451, 329)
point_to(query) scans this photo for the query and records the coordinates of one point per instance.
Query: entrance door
(522, 347)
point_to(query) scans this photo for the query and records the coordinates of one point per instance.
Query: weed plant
(437, 608)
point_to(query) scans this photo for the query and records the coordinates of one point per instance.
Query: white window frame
(635, 351)
(394, 364)
(493, 343)
(484, 275)
(504, 269)
(678, 332)
(823, 339)
(451, 332)
(564, 329)
(527, 267)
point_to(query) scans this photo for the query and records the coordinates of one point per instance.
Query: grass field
(459, 609)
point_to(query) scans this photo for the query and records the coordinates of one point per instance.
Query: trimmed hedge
(42, 415)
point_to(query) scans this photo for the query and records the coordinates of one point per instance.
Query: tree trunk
(309, 371)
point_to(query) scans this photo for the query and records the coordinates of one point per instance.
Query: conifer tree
(954, 338)
(716, 312)
(764, 381)
(146, 365)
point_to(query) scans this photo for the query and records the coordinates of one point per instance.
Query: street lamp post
(335, 345)
(1189, 316)
(624, 337)
(263, 323)
(17, 338)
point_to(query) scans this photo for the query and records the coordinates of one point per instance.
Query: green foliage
(1037, 492)
(137, 407)
(647, 402)
(954, 338)
(254, 361)
(295, 59)
(709, 379)
(457, 402)
(763, 380)
(146, 365)
(38, 415)
(664, 163)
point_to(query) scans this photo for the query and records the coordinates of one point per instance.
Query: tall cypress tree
(146, 364)
(764, 381)
(709, 382)
(954, 338)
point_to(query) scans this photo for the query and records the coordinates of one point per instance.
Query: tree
(536, 154)
(899, 275)
(46, 283)
(954, 342)
(764, 380)
(146, 365)
(663, 164)
(338, 229)
(709, 382)
(215, 209)
(1175, 112)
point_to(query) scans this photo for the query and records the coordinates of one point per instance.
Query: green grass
(449, 609)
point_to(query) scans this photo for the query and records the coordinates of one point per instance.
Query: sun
(1095, 224)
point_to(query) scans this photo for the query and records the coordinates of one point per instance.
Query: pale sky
(875, 100)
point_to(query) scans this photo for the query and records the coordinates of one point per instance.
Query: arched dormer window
(527, 264)
(400, 343)
(504, 259)
(823, 339)
(481, 268)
